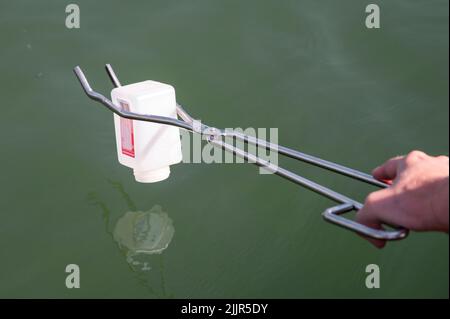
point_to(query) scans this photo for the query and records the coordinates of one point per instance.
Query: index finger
(388, 171)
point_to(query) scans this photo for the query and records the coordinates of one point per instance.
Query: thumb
(369, 216)
(363, 218)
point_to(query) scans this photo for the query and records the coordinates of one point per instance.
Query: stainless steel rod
(112, 75)
(308, 159)
(322, 190)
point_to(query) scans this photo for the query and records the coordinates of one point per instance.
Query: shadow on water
(141, 236)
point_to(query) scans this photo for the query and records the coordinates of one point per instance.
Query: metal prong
(126, 114)
(112, 75)
(83, 81)
(184, 115)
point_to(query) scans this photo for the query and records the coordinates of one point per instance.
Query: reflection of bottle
(148, 148)
(142, 237)
(145, 233)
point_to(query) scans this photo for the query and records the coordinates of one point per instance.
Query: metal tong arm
(187, 119)
(126, 114)
(331, 214)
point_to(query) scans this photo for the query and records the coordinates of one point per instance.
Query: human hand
(417, 198)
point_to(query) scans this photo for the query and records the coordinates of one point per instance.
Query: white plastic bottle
(148, 148)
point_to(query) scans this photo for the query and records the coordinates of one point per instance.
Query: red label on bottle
(126, 133)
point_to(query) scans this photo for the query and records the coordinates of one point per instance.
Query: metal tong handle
(214, 135)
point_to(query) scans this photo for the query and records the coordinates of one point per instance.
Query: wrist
(440, 206)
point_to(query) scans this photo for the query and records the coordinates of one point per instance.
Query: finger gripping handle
(333, 215)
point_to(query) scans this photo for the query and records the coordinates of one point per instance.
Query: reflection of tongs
(215, 136)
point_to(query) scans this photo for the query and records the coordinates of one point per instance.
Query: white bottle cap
(152, 176)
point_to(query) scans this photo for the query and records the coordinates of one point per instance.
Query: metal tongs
(214, 136)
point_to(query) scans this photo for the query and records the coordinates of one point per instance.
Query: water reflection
(141, 236)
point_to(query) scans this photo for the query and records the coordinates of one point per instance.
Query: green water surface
(332, 87)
